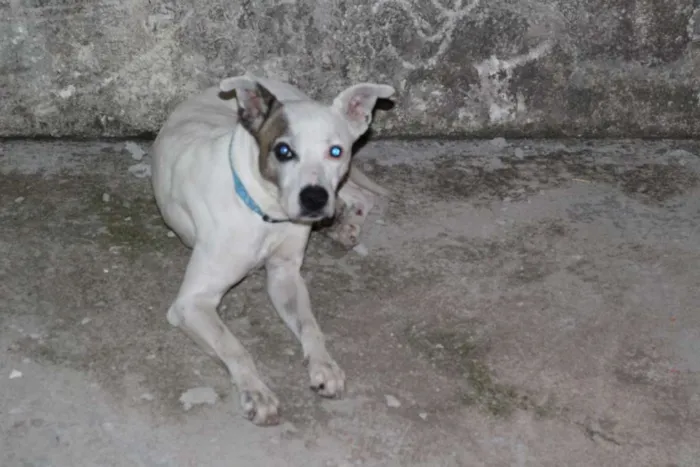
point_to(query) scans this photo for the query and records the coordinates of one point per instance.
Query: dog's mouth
(325, 213)
(316, 215)
(313, 216)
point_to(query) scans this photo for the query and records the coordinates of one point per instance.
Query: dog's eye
(283, 152)
(335, 151)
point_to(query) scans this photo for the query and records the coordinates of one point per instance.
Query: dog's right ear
(255, 101)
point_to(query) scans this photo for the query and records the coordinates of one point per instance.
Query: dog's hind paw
(327, 378)
(260, 406)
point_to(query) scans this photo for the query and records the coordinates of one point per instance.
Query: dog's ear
(255, 101)
(357, 102)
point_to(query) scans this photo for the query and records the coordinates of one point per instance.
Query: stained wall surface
(461, 67)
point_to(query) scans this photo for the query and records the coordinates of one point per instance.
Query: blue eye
(283, 152)
(336, 151)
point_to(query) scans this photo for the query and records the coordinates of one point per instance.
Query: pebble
(140, 170)
(15, 374)
(105, 197)
(170, 234)
(494, 163)
(361, 249)
(392, 401)
(499, 142)
(200, 395)
(519, 153)
(19, 199)
(136, 152)
(423, 415)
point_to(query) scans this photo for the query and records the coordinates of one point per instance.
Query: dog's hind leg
(358, 177)
(290, 297)
(207, 279)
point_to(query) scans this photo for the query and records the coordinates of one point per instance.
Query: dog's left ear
(255, 101)
(357, 102)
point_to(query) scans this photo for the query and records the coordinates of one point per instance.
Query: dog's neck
(244, 161)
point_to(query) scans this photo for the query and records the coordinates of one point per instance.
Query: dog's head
(305, 146)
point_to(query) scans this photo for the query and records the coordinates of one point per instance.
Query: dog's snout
(313, 198)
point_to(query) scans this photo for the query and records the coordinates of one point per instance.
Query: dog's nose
(313, 198)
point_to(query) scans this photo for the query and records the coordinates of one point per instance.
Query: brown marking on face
(273, 128)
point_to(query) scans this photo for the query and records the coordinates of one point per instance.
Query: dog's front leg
(290, 298)
(209, 274)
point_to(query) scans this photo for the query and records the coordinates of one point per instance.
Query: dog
(241, 172)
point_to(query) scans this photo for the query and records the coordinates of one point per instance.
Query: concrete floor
(526, 304)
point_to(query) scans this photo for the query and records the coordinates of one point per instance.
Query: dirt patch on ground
(537, 305)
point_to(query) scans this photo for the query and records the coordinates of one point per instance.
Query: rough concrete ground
(526, 304)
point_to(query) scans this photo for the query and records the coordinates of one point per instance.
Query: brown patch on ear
(273, 128)
(255, 105)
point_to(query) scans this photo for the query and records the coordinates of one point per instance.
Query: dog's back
(185, 156)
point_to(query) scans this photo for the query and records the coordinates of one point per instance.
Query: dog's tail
(363, 181)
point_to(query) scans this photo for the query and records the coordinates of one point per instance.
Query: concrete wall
(462, 67)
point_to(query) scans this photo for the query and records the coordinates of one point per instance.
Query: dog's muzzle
(313, 200)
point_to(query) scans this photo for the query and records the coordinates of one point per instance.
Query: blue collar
(243, 193)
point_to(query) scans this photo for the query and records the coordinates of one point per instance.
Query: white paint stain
(495, 76)
(45, 108)
(66, 92)
(443, 34)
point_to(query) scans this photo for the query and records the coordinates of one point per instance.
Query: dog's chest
(271, 242)
(257, 246)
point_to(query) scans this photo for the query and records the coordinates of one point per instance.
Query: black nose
(313, 198)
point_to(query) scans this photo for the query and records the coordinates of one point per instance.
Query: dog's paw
(345, 233)
(260, 406)
(327, 378)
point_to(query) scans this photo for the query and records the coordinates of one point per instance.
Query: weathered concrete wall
(462, 67)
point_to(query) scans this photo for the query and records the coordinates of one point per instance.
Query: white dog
(241, 180)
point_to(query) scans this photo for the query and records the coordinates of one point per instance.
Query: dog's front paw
(345, 233)
(327, 378)
(260, 406)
